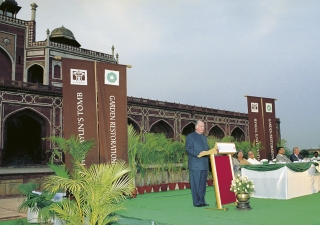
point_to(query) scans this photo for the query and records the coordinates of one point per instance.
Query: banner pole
(97, 111)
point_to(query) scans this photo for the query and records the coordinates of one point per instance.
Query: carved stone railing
(38, 43)
(82, 51)
(183, 106)
(30, 86)
(13, 20)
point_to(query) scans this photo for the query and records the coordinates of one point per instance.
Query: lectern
(222, 172)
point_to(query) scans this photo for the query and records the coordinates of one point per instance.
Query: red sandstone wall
(19, 47)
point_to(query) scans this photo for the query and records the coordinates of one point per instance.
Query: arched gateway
(23, 145)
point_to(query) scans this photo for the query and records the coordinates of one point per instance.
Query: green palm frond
(74, 146)
(59, 170)
(96, 192)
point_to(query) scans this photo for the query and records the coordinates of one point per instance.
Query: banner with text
(270, 127)
(262, 125)
(95, 107)
(112, 95)
(79, 104)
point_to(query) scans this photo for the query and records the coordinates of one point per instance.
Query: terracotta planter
(156, 187)
(164, 187)
(141, 190)
(134, 193)
(172, 186)
(210, 182)
(181, 185)
(148, 189)
(187, 184)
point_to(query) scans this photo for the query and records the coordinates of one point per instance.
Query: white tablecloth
(283, 183)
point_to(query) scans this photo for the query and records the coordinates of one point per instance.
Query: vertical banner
(270, 130)
(262, 125)
(112, 107)
(79, 104)
(95, 107)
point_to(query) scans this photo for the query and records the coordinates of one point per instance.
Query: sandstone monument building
(31, 94)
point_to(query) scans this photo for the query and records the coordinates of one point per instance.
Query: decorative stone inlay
(28, 98)
(6, 41)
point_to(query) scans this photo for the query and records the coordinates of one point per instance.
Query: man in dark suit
(295, 156)
(198, 167)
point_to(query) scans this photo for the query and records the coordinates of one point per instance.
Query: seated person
(295, 156)
(281, 157)
(251, 158)
(242, 160)
(236, 166)
(315, 157)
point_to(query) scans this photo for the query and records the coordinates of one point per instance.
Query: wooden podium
(222, 172)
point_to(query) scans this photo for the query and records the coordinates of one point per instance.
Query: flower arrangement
(241, 185)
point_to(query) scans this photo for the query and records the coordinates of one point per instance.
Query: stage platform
(175, 208)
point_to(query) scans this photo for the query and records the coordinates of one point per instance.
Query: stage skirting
(283, 181)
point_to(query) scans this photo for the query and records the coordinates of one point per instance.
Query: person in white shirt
(315, 157)
(251, 158)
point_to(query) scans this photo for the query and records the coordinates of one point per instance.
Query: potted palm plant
(98, 191)
(133, 144)
(209, 179)
(185, 167)
(180, 153)
(36, 203)
(134, 140)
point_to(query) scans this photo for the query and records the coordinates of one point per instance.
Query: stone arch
(216, 132)
(134, 124)
(162, 126)
(238, 134)
(5, 63)
(188, 128)
(35, 73)
(23, 130)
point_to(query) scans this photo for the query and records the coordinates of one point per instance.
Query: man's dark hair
(279, 149)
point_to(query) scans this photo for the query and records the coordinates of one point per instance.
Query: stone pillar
(33, 11)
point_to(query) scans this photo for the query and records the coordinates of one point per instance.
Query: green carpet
(175, 208)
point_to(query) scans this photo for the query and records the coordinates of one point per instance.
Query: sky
(208, 53)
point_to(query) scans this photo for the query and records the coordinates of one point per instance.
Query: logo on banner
(269, 107)
(254, 107)
(111, 77)
(78, 77)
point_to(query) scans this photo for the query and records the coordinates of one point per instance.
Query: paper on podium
(221, 148)
(211, 151)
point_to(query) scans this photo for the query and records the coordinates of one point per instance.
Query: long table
(283, 181)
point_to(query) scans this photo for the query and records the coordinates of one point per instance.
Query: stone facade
(31, 101)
